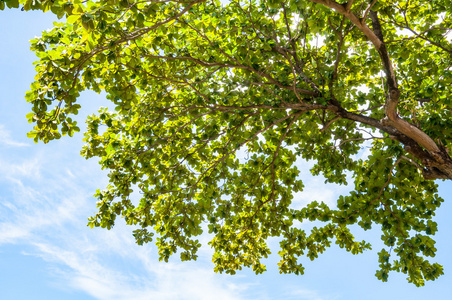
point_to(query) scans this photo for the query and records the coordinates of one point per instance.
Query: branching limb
(413, 162)
(348, 5)
(366, 12)
(328, 124)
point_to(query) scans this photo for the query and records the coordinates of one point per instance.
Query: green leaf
(213, 111)
(73, 19)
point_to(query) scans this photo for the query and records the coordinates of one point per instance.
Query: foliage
(215, 103)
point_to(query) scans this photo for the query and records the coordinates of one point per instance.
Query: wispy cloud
(48, 212)
(108, 265)
(5, 138)
(315, 188)
(44, 205)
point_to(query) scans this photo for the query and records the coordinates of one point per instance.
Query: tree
(216, 102)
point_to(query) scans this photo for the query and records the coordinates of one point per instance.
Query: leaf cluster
(215, 103)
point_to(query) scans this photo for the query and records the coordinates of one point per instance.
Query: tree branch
(366, 12)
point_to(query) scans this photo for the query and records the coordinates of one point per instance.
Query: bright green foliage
(215, 104)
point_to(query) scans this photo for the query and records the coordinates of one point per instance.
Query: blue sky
(48, 252)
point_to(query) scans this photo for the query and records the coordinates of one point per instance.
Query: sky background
(48, 252)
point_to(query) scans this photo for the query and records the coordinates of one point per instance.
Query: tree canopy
(216, 102)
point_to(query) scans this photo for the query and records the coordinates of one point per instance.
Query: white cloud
(27, 168)
(95, 271)
(315, 188)
(26, 209)
(5, 139)
(10, 233)
(45, 202)
(316, 191)
(46, 208)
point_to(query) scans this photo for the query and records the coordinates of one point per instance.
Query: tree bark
(435, 159)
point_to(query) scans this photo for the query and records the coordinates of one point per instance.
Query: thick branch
(392, 100)
(392, 118)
